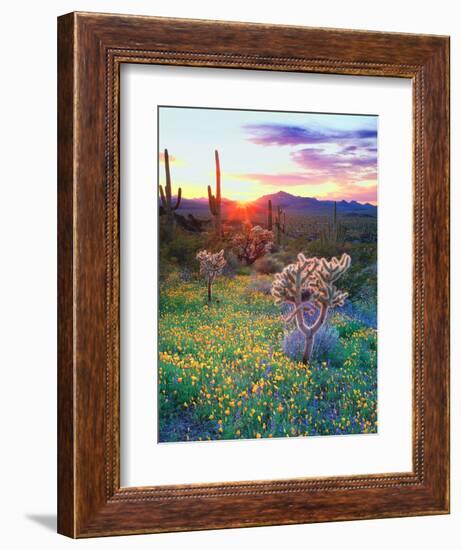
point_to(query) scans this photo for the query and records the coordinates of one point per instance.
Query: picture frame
(91, 49)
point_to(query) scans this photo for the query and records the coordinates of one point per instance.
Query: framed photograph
(253, 275)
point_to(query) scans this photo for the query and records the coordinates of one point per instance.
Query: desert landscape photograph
(267, 321)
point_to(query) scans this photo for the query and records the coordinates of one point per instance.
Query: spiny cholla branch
(211, 265)
(327, 272)
(308, 286)
(294, 281)
(252, 243)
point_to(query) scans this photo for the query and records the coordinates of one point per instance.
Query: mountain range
(288, 202)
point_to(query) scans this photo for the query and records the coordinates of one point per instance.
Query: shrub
(327, 345)
(363, 310)
(326, 342)
(185, 275)
(183, 247)
(322, 249)
(285, 256)
(232, 266)
(293, 345)
(268, 265)
(261, 285)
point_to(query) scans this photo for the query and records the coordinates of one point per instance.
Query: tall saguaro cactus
(333, 232)
(280, 224)
(214, 201)
(167, 199)
(269, 215)
(307, 285)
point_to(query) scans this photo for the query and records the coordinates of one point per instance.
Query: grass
(223, 375)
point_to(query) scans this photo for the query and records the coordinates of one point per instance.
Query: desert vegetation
(267, 322)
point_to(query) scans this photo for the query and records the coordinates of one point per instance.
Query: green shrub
(183, 248)
(323, 250)
(267, 265)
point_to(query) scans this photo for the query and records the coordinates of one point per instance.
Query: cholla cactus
(252, 243)
(308, 286)
(211, 265)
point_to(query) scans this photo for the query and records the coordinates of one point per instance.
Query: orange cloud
(172, 159)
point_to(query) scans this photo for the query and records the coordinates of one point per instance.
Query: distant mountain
(199, 204)
(315, 206)
(308, 205)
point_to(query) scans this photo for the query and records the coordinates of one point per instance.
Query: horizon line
(322, 199)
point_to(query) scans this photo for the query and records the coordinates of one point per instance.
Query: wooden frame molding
(91, 48)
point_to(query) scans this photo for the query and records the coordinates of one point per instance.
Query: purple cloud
(284, 134)
(345, 157)
(354, 166)
(349, 149)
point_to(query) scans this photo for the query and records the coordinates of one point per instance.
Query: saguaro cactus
(211, 265)
(280, 224)
(214, 201)
(166, 197)
(333, 232)
(308, 286)
(269, 215)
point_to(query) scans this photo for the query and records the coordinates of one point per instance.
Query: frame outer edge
(437, 207)
(66, 524)
(85, 507)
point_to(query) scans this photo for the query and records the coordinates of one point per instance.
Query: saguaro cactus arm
(280, 223)
(218, 178)
(333, 232)
(167, 176)
(269, 215)
(178, 199)
(214, 201)
(166, 194)
(163, 198)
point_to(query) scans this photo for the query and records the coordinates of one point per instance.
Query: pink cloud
(356, 193)
(284, 180)
(345, 189)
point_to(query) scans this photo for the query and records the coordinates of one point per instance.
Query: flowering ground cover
(230, 369)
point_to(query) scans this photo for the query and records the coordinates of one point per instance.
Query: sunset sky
(327, 156)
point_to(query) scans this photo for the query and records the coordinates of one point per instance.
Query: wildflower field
(229, 369)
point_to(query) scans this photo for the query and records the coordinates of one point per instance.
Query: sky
(326, 156)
